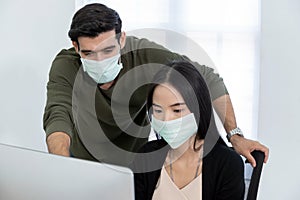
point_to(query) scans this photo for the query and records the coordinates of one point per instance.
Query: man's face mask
(176, 132)
(102, 71)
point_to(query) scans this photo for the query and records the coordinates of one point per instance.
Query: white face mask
(176, 132)
(102, 71)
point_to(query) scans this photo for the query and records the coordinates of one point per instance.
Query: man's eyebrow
(104, 49)
(85, 51)
(108, 48)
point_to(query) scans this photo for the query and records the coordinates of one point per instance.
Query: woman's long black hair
(187, 80)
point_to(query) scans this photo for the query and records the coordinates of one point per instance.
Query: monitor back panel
(33, 175)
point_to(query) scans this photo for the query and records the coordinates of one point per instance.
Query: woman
(195, 162)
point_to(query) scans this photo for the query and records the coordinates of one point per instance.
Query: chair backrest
(256, 173)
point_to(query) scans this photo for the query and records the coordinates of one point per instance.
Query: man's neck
(106, 86)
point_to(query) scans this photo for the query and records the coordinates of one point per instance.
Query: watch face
(236, 131)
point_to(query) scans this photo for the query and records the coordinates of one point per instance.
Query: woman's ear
(122, 39)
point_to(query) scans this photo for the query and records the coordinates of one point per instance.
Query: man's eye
(89, 53)
(107, 51)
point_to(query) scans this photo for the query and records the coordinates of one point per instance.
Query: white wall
(31, 33)
(280, 98)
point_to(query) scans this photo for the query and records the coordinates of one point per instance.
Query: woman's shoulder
(153, 146)
(223, 153)
(223, 173)
(151, 157)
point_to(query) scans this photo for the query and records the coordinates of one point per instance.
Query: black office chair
(255, 177)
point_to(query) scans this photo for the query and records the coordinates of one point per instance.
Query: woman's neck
(186, 151)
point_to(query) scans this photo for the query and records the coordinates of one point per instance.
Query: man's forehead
(99, 42)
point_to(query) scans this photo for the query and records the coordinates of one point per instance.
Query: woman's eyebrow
(156, 105)
(177, 104)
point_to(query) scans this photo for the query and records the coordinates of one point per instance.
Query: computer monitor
(32, 175)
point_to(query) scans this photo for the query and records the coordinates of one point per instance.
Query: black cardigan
(222, 172)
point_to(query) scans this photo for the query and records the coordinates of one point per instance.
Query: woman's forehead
(167, 94)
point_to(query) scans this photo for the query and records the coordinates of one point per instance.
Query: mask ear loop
(149, 114)
(120, 61)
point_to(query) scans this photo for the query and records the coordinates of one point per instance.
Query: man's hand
(245, 146)
(59, 143)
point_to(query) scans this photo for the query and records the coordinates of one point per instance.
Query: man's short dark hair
(93, 19)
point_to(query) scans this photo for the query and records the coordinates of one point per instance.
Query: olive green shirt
(77, 106)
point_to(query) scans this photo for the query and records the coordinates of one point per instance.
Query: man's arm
(243, 146)
(57, 118)
(59, 143)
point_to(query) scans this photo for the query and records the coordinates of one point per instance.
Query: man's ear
(123, 39)
(75, 45)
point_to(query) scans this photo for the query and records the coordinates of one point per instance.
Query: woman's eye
(178, 110)
(157, 111)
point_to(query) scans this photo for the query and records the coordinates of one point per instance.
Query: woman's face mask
(103, 71)
(176, 132)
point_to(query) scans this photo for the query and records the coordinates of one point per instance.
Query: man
(87, 115)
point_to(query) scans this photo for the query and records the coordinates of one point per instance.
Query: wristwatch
(236, 131)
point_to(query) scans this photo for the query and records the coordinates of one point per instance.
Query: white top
(166, 188)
